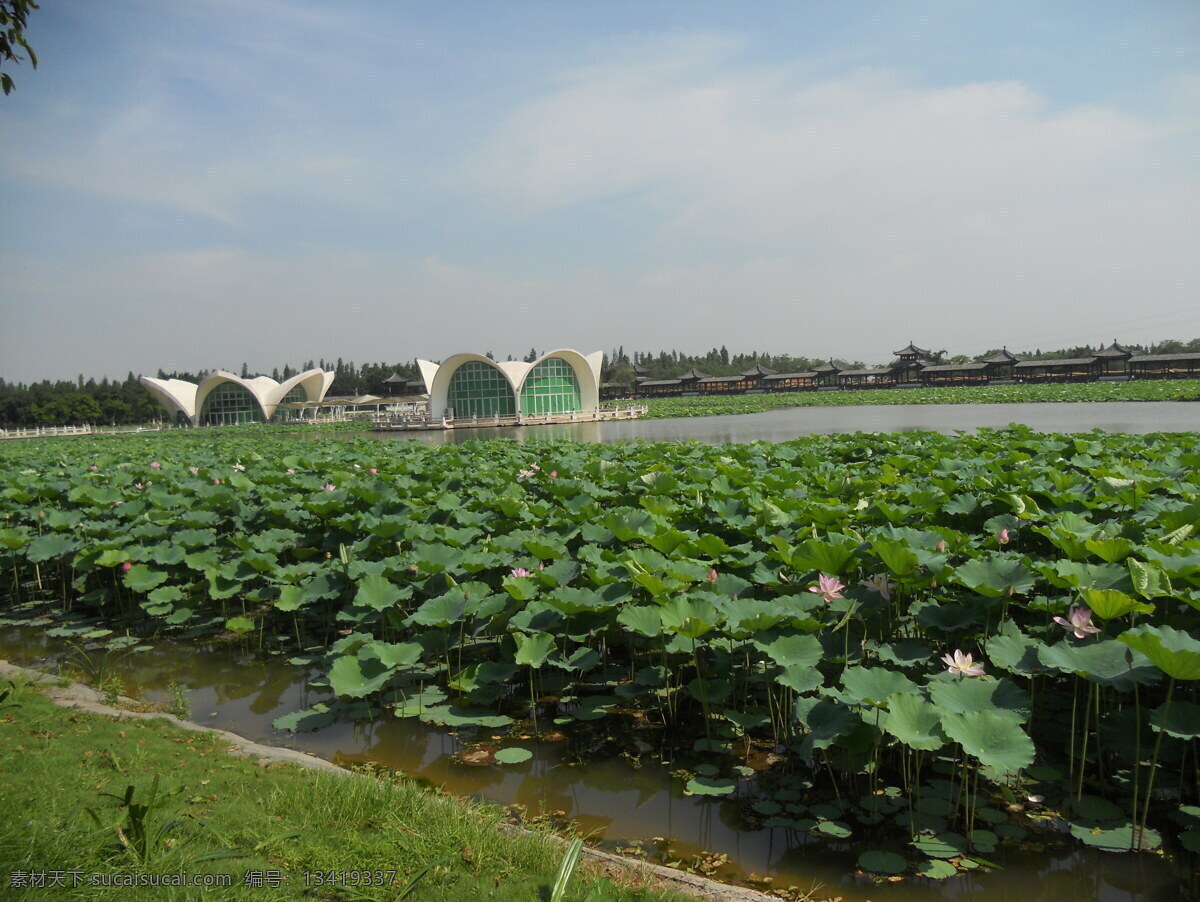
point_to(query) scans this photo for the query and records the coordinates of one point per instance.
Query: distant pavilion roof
(647, 382)
(1002, 356)
(395, 379)
(829, 367)
(693, 373)
(901, 362)
(758, 370)
(1115, 350)
(721, 379)
(912, 351)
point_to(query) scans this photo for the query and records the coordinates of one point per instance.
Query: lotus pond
(921, 651)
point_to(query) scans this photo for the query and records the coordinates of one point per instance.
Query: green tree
(14, 16)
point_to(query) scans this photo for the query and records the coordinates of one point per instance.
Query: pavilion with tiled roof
(1113, 359)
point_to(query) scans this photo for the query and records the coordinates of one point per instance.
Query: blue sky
(196, 185)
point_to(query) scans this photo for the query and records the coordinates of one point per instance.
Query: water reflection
(782, 425)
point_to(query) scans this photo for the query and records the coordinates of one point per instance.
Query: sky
(198, 185)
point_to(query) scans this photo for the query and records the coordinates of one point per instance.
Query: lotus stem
(1137, 749)
(1087, 719)
(1137, 836)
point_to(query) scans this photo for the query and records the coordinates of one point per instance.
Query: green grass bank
(275, 832)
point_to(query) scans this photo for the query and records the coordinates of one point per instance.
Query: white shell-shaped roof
(187, 398)
(586, 367)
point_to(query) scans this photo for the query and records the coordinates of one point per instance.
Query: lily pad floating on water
(1115, 839)
(941, 845)
(882, 862)
(710, 786)
(239, 625)
(513, 755)
(937, 869)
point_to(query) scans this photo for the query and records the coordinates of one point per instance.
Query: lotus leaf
(1174, 652)
(914, 721)
(377, 593)
(792, 651)
(1010, 649)
(532, 651)
(1107, 662)
(995, 576)
(1111, 603)
(48, 547)
(140, 578)
(961, 696)
(991, 736)
(1181, 719)
(711, 786)
(513, 755)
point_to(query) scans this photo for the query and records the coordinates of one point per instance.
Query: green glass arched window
(480, 390)
(230, 404)
(282, 414)
(550, 387)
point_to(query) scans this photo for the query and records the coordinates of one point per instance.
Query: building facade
(224, 399)
(468, 386)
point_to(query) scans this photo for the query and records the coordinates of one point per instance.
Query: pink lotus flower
(216, 481)
(828, 587)
(879, 583)
(554, 474)
(524, 474)
(518, 572)
(193, 470)
(940, 547)
(93, 468)
(1079, 622)
(329, 486)
(240, 468)
(963, 663)
(712, 575)
(1004, 536)
(373, 471)
(138, 485)
(291, 472)
(126, 567)
(154, 465)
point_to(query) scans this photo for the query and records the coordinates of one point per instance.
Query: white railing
(51, 431)
(449, 421)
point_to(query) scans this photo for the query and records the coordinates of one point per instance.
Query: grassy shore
(1162, 390)
(276, 832)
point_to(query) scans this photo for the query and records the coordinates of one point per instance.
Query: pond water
(781, 425)
(622, 801)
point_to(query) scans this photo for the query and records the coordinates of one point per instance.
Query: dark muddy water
(622, 799)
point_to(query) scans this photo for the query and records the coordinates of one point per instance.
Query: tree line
(126, 402)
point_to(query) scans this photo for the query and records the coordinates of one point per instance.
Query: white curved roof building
(560, 381)
(224, 399)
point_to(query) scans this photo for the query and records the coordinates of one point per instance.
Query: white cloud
(944, 211)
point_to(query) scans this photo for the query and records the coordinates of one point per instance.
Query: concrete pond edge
(85, 698)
